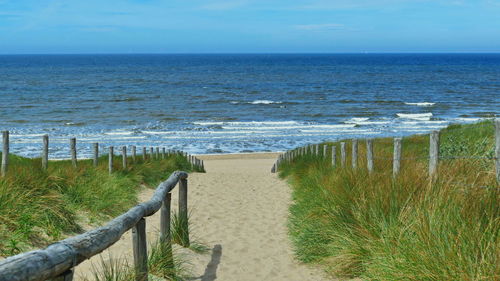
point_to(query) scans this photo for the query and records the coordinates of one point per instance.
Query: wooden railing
(57, 261)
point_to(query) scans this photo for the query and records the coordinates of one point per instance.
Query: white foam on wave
(425, 104)
(294, 127)
(468, 119)
(355, 120)
(264, 102)
(415, 116)
(119, 133)
(249, 123)
(26, 135)
(158, 132)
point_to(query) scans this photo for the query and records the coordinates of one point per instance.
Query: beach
(239, 211)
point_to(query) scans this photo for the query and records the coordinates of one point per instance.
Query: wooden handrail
(64, 255)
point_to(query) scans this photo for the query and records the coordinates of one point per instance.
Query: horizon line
(253, 53)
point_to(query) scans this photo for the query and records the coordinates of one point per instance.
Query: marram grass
(357, 224)
(38, 207)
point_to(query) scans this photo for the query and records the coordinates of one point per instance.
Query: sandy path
(239, 210)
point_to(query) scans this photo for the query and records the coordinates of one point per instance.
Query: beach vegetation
(40, 206)
(376, 227)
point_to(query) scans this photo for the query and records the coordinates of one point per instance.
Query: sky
(246, 26)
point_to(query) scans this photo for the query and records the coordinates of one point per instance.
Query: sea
(237, 103)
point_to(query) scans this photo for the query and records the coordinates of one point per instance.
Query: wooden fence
(433, 157)
(57, 261)
(154, 154)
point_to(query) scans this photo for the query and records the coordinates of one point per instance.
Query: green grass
(357, 224)
(38, 207)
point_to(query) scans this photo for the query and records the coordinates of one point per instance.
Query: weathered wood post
(343, 154)
(134, 154)
(96, 154)
(354, 153)
(66, 276)
(334, 156)
(144, 153)
(165, 237)
(317, 149)
(396, 161)
(140, 250)
(151, 153)
(183, 211)
(72, 144)
(124, 157)
(45, 152)
(163, 153)
(110, 159)
(497, 148)
(433, 153)
(325, 147)
(165, 218)
(369, 155)
(5, 153)
(157, 153)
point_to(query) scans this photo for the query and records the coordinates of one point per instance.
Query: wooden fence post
(45, 152)
(334, 156)
(157, 153)
(433, 153)
(396, 161)
(110, 159)
(96, 154)
(369, 155)
(124, 157)
(317, 149)
(151, 153)
(343, 154)
(354, 153)
(140, 250)
(325, 147)
(72, 144)
(134, 154)
(165, 237)
(5, 153)
(144, 153)
(497, 148)
(183, 211)
(163, 153)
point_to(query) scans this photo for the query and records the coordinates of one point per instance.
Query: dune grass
(38, 207)
(372, 226)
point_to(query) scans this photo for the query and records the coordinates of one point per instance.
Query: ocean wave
(426, 104)
(294, 127)
(243, 123)
(124, 133)
(158, 133)
(265, 102)
(468, 119)
(25, 135)
(356, 120)
(416, 116)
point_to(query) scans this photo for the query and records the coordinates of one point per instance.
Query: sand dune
(239, 210)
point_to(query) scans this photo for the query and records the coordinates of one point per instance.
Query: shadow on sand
(210, 273)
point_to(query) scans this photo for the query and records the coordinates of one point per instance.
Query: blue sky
(246, 26)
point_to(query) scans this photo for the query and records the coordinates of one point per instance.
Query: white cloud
(320, 27)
